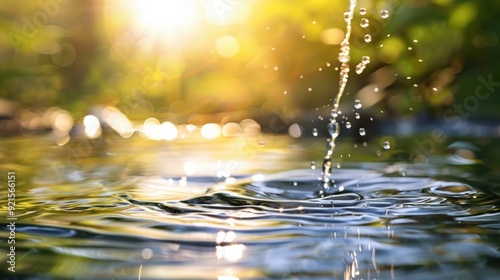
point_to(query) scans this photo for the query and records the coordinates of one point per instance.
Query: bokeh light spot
(227, 46)
(331, 36)
(210, 131)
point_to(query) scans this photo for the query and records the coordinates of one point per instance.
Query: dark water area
(248, 208)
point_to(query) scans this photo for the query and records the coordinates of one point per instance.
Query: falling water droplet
(362, 132)
(333, 129)
(365, 59)
(384, 14)
(334, 113)
(276, 68)
(348, 125)
(356, 115)
(309, 89)
(313, 165)
(386, 145)
(357, 104)
(362, 11)
(315, 132)
(368, 38)
(364, 23)
(347, 16)
(376, 89)
(360, 68)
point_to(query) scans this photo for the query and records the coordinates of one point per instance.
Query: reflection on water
(240, 209)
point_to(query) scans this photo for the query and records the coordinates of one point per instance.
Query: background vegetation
(181, 61)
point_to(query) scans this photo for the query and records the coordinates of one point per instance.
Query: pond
(246, 208)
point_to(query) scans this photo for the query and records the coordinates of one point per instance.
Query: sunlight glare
(166, 17)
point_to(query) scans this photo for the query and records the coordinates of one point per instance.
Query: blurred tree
(202, 57)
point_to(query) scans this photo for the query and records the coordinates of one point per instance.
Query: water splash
(333, 126)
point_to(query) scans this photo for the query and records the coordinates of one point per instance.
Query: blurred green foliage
(228, 55)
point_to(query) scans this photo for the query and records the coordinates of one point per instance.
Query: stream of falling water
(333, 126)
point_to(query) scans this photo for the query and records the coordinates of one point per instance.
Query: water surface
(245, 208)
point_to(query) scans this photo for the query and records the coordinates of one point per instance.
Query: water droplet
(333, 129)
(362, 11)
(415, 41)
(420, 60)
(384, 14)
(314, 22)
(362, 132)
(357, 104)
(410, 48)
(378, 153)
(347, 16)
(334, 114)
(364, 23)
(376, 89)
(434, 89)
(328, 64)
(386, 145)
(320, 69)
(360, 68)
(315, 132)
(285, 92)
(365, 59)
(295, 183)
(313, 165)
(276, 68)
(338, 165)
(348, 125)
(309, 89)
(368, 38)
(356, 115)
